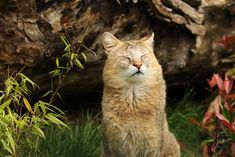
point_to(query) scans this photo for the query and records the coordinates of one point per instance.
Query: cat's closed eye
(124, 61)
(144, 56)
(125, 57)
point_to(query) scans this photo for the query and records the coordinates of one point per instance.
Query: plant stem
(54, 93)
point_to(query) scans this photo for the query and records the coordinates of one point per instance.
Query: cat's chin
(136, 78)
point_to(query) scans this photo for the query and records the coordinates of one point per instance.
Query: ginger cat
(134, 98)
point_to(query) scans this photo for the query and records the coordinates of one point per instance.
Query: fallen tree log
(186, 42)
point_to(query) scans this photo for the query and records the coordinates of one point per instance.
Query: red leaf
(232, 126)
(226, 122)
(233, 148)
(232, 109)
(232, 96)
(212, 82)
(213, 108)
(216, 104)
(207, 116)
(205, 151)
(194, 121)
(208, 127)
(228, 85)
(227, 41)
(219, 82)
(226, 106)
(223, 119)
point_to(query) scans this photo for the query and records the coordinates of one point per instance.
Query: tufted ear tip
(152, 36)
(109, 41)
(150, 40)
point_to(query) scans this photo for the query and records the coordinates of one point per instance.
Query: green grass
(81, 140)
(187, 133)
(84, 137)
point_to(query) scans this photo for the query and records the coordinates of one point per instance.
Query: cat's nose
(137, 65)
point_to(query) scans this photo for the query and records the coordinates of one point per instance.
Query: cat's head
(128, 61)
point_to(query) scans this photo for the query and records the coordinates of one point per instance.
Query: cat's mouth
(137, 73)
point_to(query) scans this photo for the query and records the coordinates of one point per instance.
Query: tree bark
(186, 42)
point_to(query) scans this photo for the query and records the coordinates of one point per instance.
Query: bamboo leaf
(64, 40)
(5, 104)
(65, 68)
(55, 72)
(28, 80)
(60, 96)
(78, 64)
(6, 146)
(41, 133)
(11, 141)
(51, 106)
(84, 57)
(27, 105)
(57, 62)
(67, 48)
(66, 55)
(8, 89)
(89, 50)
(72, 56)
(80, 39)
(55, 120)
(47, 93)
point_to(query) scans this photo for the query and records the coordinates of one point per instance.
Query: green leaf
(47, 93)
(65, 41)
(72, 56)
(40, 132)
(67, 48)
(8, 89)
(89, 50)
(16, 98)
(55, 72)
(6, 146)
(11, 141)
(55, 120)
(232, 56)
(66, 55)
(60, 96)
(207, 141)
(80, 39)
(20, 123)
(5, 104)
(233, 137)
(57, 62)
(28, 80)
(84, 57)
(78, 64)
(51, 106)
(40, 105)
(230, 72)
(226, 114)
(1, 97)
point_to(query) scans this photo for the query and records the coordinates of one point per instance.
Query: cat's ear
(149, 41)
(109, 41)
